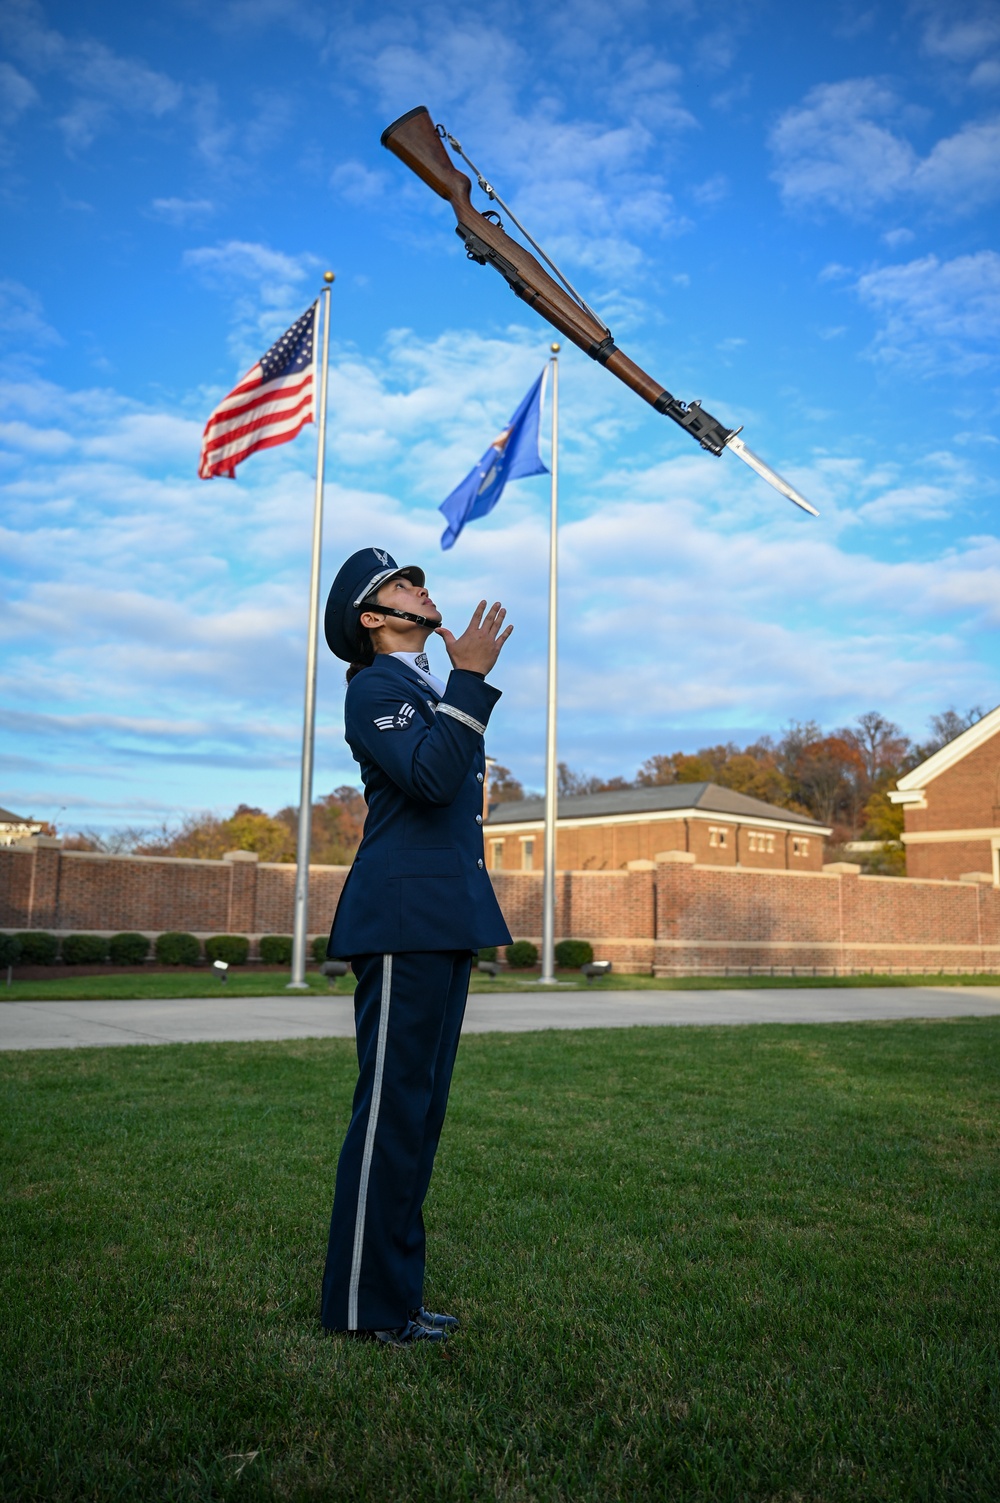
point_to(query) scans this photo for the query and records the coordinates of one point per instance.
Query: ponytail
(366, 654)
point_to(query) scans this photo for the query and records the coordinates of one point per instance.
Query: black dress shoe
(409, 1334)
(431, 1322)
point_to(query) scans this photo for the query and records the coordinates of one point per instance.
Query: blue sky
(787, 211)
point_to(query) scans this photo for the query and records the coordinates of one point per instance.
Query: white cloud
(182, 211)
(272, 272)
(22, 320)
(17, 94)
(842, 149)
(908, 502)
(960, 38)
(964, 169)
(986, 75)
(102, 81)
(713, 190)
(358, 184)
(835, 149)
(32, 440)
(937, 314)
(267, 289)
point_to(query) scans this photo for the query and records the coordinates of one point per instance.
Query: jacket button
(479, 819)
(479, 777)
(479, 864)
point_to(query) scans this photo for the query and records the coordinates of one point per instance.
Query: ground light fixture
(221, 969)
(596, 968)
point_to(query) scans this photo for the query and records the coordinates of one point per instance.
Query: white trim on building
(661, 816)
(912, 786)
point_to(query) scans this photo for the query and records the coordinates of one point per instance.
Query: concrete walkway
(76, 1025)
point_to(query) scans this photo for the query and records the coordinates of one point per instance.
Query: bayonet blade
(766, 473)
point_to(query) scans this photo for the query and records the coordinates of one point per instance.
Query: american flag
(272, 403)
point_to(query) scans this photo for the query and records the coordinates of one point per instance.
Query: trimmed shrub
(37, 947)
(128, 949)
(276, 949)
(234, 949)
(521, 954)
(174, 948)
(85, 949)
(318, 948)
(10, 949)
(573, 953)
(488, 952)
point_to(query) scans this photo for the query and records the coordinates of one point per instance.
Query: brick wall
(672, 916)
(826, 920)
(614, 910)
(44, 887)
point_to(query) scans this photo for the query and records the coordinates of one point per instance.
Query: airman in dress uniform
(417, 903)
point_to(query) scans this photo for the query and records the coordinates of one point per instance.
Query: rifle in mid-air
(419, 143)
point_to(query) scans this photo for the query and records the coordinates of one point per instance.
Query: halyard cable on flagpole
(492, 194)
(548, 976)
(301, 923)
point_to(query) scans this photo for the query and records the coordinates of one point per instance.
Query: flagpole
(548, 976)
(298, 978)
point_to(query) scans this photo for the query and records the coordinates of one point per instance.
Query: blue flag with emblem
(512, 455)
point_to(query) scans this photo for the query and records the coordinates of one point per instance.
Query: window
(496, 855)
(760, 840)
(800, 845)
(718, 836)
(527, 854)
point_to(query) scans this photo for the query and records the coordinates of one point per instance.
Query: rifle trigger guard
(603, 352)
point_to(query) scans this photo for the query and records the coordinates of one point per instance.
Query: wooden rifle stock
(414, 139)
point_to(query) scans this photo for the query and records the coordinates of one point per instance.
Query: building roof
(909, 788)
(7, 818)
(708, 798)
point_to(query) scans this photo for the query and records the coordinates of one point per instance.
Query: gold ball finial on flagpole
(554, 348)
(328, 277)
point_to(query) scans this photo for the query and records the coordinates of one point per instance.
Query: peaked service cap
(356, 581)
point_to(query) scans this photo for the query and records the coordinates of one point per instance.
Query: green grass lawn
(253, 983)
(714, 1264)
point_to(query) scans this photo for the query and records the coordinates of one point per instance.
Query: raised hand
(479, 646)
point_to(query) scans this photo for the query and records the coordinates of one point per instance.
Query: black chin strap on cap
(389, 610)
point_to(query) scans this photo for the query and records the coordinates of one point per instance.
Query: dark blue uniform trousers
(408, 1011)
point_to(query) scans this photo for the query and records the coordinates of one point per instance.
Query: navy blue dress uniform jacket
(419, 880)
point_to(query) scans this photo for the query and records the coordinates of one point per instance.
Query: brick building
(607, 831)
(951, 805)
(15, 827)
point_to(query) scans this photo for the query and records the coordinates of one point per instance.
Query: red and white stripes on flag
(272, 403)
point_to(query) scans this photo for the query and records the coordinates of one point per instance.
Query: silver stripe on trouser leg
(366, 1160)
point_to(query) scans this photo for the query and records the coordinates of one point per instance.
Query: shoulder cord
(492, 194)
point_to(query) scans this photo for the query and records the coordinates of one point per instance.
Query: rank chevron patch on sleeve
(398, 722)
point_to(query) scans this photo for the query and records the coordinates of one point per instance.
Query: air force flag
(511, 455)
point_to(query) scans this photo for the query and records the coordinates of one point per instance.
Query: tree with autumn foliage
(337, 822)
(504, 787)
